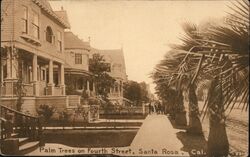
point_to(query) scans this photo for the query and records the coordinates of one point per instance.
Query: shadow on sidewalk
(195, 145)
(172, 121)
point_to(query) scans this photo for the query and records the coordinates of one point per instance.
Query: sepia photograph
(117, 78)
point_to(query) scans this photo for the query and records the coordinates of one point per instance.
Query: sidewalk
(157, 135)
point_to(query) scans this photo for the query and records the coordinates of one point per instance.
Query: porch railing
(57, 91)
(22, 124)
(3, 90)
(114, 94)
(28, 89)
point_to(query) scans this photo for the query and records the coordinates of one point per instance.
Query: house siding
(70, 59)
(12, 31)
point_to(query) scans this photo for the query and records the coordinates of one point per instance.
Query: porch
(79, 82)
(25, 73)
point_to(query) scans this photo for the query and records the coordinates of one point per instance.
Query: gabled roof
(71, 41)
(63, 15)
(45, 6)
(113, 56)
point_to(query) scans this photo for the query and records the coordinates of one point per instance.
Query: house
(115, 58)
(77, 75)
(33, 57)
(41, 60)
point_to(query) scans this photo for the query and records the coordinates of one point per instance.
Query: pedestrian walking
(150, 108)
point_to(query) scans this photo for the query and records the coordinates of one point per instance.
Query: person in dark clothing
(150, 107)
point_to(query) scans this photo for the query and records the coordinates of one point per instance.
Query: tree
(221, 57)
(136, 92)
(168, 75)
(103, 81)
(132, 91)
(224, 60)
(144, 92)
(231, 74)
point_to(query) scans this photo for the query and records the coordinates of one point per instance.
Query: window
(35, 25)
(25, 20)
(79, 84)
(49, 34)
(56, 79)
(78, 58)
(59, 41)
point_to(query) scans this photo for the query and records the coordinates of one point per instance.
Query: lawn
(123, 116)
(90, 138)
(86, 124)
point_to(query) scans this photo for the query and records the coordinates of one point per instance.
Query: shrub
(64, 117)
(93, 101)
(46, 111)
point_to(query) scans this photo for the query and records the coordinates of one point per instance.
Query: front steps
(24, 145)
(28, 147)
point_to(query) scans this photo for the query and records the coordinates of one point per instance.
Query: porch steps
(14, 134)
(28, 147)
(23, 140)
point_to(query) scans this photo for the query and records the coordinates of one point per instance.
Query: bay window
(35, 25)
(25, 19)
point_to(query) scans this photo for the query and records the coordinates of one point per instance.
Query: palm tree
(220, 54)
(231, 79)
(183, 71)
(225, 53)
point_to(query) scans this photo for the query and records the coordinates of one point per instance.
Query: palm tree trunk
(180, 114)
(195, 126)
(218, 144)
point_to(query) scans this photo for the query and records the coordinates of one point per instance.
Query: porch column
(8, 60)
(12, 68)
(14, 64)
(88, 91)
(62, 83)
(93, 87)
(34, 72)
(50, 90)
(1, 73)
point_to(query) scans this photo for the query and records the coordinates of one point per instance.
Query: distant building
(115, 58)
(77, 73)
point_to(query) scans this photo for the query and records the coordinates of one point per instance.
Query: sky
(144, 29)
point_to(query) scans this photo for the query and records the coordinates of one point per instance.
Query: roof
(63, 15)
(72, 71)
(71, 41)
(45, 6)
(113, 56)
